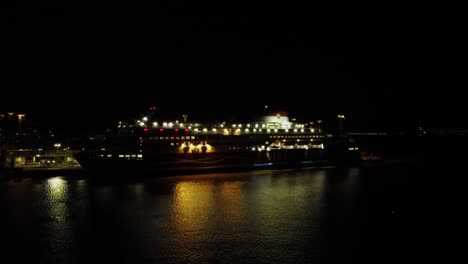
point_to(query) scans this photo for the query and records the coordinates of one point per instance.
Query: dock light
(20, 118)
(57, 145)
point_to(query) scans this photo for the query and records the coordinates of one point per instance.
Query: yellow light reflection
(193, 206)
(200, 207)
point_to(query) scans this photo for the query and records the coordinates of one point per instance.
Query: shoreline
(72, 172)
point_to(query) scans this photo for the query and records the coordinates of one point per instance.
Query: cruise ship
(162, 146)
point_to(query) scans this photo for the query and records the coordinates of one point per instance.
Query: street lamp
(20, 118)
(57, 145)
(341, 118)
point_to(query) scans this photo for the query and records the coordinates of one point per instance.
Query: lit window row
(129, 156)
(238, 148)
(172, 138)
(254, 130)
(237, 131)
(299, 136)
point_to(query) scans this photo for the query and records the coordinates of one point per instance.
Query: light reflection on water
(264, 216)
(55, 195)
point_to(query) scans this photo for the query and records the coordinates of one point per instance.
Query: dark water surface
(331, 215)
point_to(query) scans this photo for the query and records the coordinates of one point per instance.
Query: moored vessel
(153, 145)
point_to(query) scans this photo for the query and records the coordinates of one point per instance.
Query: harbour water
(322, 215)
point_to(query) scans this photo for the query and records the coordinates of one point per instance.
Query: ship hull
(176, 164)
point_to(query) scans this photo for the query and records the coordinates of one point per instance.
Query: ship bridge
(278, 120)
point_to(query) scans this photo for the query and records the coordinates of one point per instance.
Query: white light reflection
(56, 187)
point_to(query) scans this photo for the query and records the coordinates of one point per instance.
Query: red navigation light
(146, 130)
(176, 130)
(186, 130)
(161, 130)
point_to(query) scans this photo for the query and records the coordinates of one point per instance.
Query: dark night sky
(390, 68)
